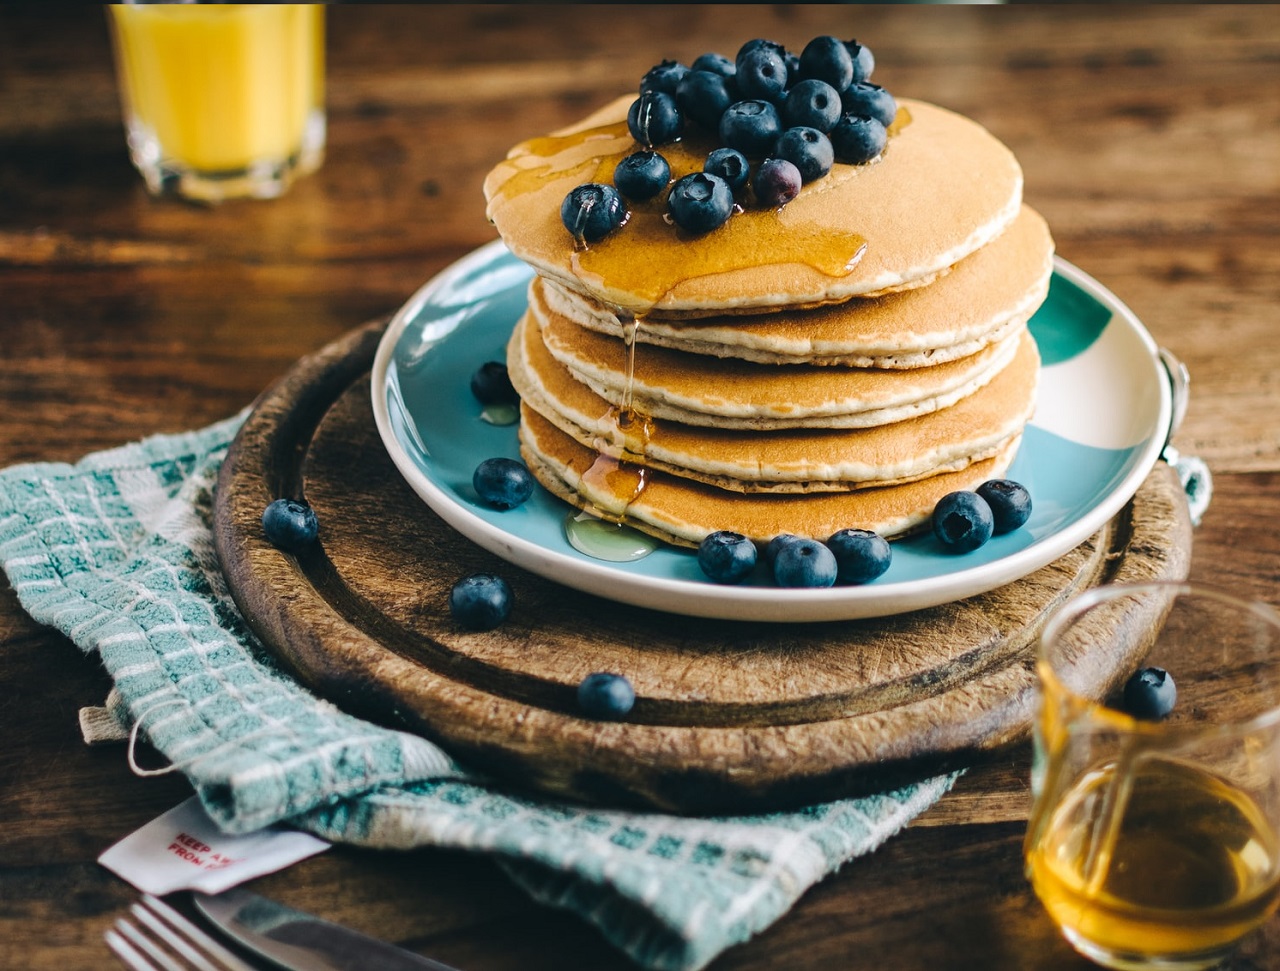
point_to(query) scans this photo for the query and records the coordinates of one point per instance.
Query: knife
(298, 941)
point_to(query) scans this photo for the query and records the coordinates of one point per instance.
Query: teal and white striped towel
(116, 552)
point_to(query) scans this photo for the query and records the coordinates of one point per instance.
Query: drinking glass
(221, 100)
(1153, 840)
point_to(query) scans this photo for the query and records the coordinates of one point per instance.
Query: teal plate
(1103, 415)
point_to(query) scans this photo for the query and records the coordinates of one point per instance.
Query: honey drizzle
(618, 481)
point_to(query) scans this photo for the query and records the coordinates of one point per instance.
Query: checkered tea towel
(116, 552)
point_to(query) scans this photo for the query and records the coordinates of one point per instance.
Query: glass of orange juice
(221, 101)
(1154, 841)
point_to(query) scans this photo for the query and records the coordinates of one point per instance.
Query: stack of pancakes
(842, 362)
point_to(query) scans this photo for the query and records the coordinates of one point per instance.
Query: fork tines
(164, 940)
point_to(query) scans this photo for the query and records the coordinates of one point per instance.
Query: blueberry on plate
(962, 521)
(808, 150)
(751, 127)
(480, 601)
(491, 384)
(700, 202)
(1150, 694)
(731, 165)
(861, 555)
(664, 77)
(804, 563)
(828, 59)
(703, 96)
(865, 98)
(726, 557)
(812, 104)
(774, 545)
(777, 182)
(654, 119)
(762, 73)
(1010, 503)
(502, 483)
(592, 211)
(642, 175)
(290, 525)
(605, 696)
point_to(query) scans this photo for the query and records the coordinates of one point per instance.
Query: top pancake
(942, 188)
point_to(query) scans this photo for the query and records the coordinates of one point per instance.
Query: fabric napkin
(117, 552)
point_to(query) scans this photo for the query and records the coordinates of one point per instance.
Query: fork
(142, 945)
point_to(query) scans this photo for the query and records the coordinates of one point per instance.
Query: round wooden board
(729, 717)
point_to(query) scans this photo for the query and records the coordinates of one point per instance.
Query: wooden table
(1150, 139)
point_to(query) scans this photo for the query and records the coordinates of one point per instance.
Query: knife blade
(298, 941)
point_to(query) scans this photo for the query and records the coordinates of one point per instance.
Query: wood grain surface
(729, 716)
(1148, 136)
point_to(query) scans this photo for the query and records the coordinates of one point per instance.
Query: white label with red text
(185, 850)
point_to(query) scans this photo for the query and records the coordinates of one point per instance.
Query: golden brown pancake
(942, 188)
(816, 460)
(729, 393)
(984, 297)
(683, 512)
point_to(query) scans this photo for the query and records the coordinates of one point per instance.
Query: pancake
(984, 297)
(820, 460)
(942, 188)
(683, 512)
(728, 393)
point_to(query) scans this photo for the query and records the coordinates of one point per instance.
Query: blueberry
(592, 211)
(861, 555)
(762, 74)
(1010, 503)
(827, 59)
(808, 150)
(775, 545)
(857, 139)
(865, 98)
(757, 44)
(642, 175)
(812, 104)
(777, 182)
(290, 525)
(480, 601)
(1150, 694)
(491, 384)
(751, 127)
(502, 483)
(703, 96)
(715, 63)
(700, 202)
(962, 521)
(731, 165)
(863, 60)
(654, 119)
(726, 556)
(605, 696)
(804, 563)
(664, 77)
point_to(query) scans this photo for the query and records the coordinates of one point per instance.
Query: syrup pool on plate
(615, 542)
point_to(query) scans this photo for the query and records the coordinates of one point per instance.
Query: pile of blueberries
(962, 521)
(781, 120)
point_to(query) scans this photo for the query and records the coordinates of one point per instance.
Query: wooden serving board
(729, 717)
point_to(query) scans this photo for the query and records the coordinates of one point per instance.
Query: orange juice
(221, 91)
